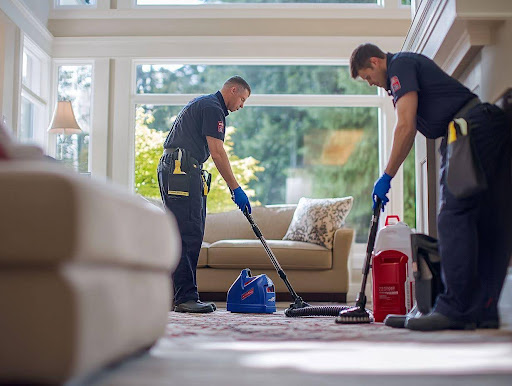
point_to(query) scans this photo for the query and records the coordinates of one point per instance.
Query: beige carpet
(226, 326)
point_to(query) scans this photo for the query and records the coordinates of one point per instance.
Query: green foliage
(148, 150)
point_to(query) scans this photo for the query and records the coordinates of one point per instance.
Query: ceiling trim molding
(222, 47)
(21, 15)
(259, 11)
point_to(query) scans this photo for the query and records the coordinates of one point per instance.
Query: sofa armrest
(51, 215)
(343, 240)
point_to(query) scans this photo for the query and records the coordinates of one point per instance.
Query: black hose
(315, 311)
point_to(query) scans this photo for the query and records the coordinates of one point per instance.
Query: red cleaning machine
(392, 275)
(390, 292)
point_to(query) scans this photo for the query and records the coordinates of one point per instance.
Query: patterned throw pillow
(316, 220)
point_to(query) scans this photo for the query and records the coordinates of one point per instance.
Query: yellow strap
(452, 133)
(177, 193)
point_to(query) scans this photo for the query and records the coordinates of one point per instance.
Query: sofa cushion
(251, 254)
(273, 221)
(316, 219)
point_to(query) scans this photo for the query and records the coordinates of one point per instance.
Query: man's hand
(241, 199)
(380, 189)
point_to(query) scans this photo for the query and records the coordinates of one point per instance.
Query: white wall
(39, 8)
(496, 64)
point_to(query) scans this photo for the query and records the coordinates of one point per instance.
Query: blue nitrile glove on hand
(241, 199)
(380, 189)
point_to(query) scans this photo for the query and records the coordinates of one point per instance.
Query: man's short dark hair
(360, 57)
(239, 81)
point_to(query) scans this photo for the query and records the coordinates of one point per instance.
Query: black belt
(171, 150)
(468, 106)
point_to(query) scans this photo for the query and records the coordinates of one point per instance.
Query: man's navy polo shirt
(202, 117)
(439, 95)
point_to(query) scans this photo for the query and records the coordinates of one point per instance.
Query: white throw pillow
(316, 220)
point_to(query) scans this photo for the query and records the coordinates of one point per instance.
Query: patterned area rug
(222, 325)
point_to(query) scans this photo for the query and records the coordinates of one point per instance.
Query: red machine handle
(392, 216)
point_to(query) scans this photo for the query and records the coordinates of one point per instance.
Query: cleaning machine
(252, 294)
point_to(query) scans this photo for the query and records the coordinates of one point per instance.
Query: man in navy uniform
(197, 133)
(474, 231)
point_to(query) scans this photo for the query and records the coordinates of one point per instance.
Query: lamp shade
(63, 121)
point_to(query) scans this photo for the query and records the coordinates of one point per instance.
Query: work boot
(398, 321)
(435, 322)
(194, 306)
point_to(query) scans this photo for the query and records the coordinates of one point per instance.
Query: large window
(75, 85)
(34, 94)
(295, 137)
(198, 2)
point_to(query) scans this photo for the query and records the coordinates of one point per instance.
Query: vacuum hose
(315, 311)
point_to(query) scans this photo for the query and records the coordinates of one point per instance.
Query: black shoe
(395, 320)
(435, 322)
(398, 321)
(212, 304)
(194, 306)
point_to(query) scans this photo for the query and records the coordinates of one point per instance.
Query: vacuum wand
(271, 255)
(361, 298)
(297, 300)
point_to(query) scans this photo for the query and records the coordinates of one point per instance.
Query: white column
(100, 116)
(123, 132)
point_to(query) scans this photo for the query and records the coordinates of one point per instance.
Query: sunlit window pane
(197, 2)
(80, 3)
(264, 79)
(26, 132)
(75, 86)
(31, 72)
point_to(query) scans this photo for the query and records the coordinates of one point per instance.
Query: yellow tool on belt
(177, 164)
(452, 130)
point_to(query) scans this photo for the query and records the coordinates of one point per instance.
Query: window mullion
(32, 96)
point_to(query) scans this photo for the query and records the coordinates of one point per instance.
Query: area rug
(222, 325)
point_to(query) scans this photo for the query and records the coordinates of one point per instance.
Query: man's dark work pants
(475, 239)
(190, 213)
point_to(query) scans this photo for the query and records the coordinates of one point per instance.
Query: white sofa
(84, 273)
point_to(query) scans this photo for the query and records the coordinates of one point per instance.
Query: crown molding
(222, 47)
(21, 15)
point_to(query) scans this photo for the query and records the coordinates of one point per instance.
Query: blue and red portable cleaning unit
(252, 294)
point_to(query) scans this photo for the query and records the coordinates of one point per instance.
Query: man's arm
(220, 158)
(405, 131)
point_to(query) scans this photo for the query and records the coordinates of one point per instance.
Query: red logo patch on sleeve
(395, 84)
(220, 126)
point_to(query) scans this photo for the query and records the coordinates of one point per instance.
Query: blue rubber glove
(241, 199)
(380, 189)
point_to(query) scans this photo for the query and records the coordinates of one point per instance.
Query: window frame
(38, 99)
